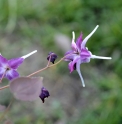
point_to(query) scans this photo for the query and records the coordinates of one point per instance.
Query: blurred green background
(46, 25)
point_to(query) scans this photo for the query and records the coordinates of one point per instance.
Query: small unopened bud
(51, 57)
(44, 94)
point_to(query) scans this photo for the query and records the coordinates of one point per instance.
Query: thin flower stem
(40, 70)
(1, 88)
(49, 61)
(45, 68)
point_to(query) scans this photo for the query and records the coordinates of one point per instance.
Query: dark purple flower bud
(52, 57)
(44, 94)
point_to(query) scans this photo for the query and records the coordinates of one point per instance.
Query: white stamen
(25, 56)
(79, 72)
(85, 40)
(99, 57)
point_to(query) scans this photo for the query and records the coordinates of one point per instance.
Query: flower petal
(25, 56)
(11, 74)
(79, 41)
(79, 72)
(74, 46)
(69, 55)
(15, 63)
(2, 71)
(100, 57)
(86, 39)
(72, 65)
(68, 52)
(85, 54)
(3, 61)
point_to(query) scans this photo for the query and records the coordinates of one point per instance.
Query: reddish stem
(49, 61)
(39, 70)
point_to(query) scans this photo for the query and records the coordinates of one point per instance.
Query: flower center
(78, 53)
(7, 68)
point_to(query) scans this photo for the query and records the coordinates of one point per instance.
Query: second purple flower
(80, 54)
(8, 68)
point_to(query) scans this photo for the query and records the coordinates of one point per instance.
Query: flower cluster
(28, 88)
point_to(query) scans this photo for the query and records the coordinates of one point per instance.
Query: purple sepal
(85, 54)
(79, 41)
(44, 94)
(15, 63)
(3, 61)
(72, 64)
(52, 57)
(69, 55)
(2, 71)
(11, 74)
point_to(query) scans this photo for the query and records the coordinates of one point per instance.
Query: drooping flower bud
(44, 94)
(52, 57)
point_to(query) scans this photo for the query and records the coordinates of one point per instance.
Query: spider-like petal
(86, 39)
(100, 57)
(25, 56)
(79, 72)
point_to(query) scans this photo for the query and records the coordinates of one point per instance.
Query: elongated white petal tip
(25, 56)
(83, 85)
(73, 35)
(97, 26)
(86, 39)
(78, 70)
(109, 57)
(100, 57)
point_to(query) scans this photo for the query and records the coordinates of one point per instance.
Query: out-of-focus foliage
(37, 21)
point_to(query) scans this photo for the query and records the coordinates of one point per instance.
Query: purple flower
(44, 94)
(8, 68)
(80, 54)
(51, 57)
